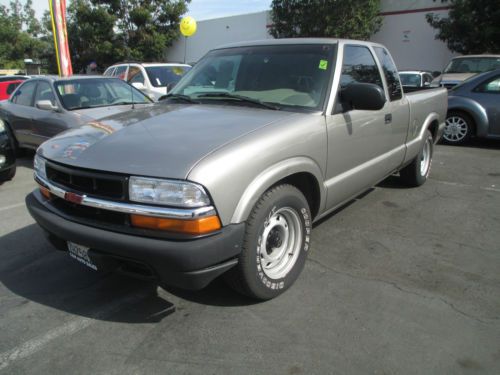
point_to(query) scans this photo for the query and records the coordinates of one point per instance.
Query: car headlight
(2, 126)
(39, 167)
(167, 192)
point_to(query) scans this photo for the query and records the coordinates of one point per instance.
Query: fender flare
(474, 110)
(271, 176)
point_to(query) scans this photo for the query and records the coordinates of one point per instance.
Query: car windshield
(473, 65)
(161, 76)
(97, 92)
(410, 79)
(292, 77)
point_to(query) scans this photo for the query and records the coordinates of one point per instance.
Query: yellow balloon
(188, 26)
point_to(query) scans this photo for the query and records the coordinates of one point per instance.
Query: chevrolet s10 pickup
(228, 173)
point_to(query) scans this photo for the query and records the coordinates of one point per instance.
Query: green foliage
(473, 26)
(355, 19)
(19, 35)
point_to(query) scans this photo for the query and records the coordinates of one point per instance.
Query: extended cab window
(390, 72)
(24, 96)
(359, 66)
(491, 86)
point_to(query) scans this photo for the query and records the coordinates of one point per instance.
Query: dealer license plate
(81, 254)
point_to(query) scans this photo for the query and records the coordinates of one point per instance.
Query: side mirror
(139, 86)
(363, 96)
(46, 105)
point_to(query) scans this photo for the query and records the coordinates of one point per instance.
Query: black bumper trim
(186, 264)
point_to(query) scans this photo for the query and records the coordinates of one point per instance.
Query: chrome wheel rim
(425, 160)
(280, 243)
(456, 129)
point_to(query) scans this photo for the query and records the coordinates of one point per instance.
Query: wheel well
(308, 185)
(467, 115)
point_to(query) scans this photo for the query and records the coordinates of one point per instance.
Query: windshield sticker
(323, 64)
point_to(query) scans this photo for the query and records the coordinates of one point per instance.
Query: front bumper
(188, 264)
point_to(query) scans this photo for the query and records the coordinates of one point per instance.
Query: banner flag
(58, 15)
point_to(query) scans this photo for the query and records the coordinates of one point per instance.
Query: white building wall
(407, 35)
(220, 31)
(411, 41)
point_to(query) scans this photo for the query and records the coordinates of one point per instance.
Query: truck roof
(291, 41)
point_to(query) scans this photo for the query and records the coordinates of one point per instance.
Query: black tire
(417, 172)
(280, 214)
(8, 174)
(459, 128)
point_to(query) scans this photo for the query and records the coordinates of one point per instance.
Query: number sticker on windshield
(323, 64)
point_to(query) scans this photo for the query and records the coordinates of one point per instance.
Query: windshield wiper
(239, 98)
(185, 98)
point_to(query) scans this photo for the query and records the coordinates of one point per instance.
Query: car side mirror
(362, 96)
(139, 86)
(46, 105)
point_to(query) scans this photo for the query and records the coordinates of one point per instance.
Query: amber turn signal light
(45, 192)
(199, 226)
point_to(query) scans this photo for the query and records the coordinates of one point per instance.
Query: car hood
(165, 140)
(96, 113)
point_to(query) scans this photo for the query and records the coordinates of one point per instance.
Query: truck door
(397, 111)
(359, 142)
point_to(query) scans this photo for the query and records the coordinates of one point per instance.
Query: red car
(8, 84)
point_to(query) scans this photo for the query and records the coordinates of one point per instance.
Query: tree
(472, 26)
(355, 19)
(19, 35)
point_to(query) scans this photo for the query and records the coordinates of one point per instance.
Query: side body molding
(272, 175)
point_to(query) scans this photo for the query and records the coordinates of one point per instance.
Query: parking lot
(399, 281)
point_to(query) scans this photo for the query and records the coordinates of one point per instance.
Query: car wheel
(458, 129)
(417, 172)
(8, 174)
(275, 245)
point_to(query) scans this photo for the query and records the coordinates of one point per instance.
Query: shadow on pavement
(32, 270)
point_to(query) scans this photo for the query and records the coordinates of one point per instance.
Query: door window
(44, 92)
(135, 75)
(24, 96)
(492, 86)
(359, 66)
(120, 72)
(390, 73)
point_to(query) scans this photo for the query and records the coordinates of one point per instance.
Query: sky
(198, 9)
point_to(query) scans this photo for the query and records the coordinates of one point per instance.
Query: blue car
(474, 109)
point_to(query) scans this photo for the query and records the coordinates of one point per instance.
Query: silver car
(474, 109)
(42, 107)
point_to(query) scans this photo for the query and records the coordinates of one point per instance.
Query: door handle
(388, 118)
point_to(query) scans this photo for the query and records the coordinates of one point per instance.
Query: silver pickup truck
(228, 173)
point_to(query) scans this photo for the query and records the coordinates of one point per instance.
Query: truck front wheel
(417, 172)
(276, 244)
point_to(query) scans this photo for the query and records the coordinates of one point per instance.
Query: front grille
(96, 184)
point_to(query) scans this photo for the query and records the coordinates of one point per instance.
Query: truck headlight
(39, 167)
(167, 192)
(2, 126)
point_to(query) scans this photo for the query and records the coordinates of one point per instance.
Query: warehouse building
(405, 32)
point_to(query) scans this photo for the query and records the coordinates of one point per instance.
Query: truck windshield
(473, 65)
(286, 76)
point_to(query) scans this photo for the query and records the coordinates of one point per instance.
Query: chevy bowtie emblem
(73, 198)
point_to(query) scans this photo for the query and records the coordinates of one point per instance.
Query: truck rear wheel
(275, 245)
(417, 172)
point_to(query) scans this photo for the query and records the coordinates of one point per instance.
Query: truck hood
(165, 140)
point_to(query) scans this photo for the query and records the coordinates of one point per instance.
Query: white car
(153, 79)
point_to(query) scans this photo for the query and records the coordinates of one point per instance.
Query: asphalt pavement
(399, 281)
